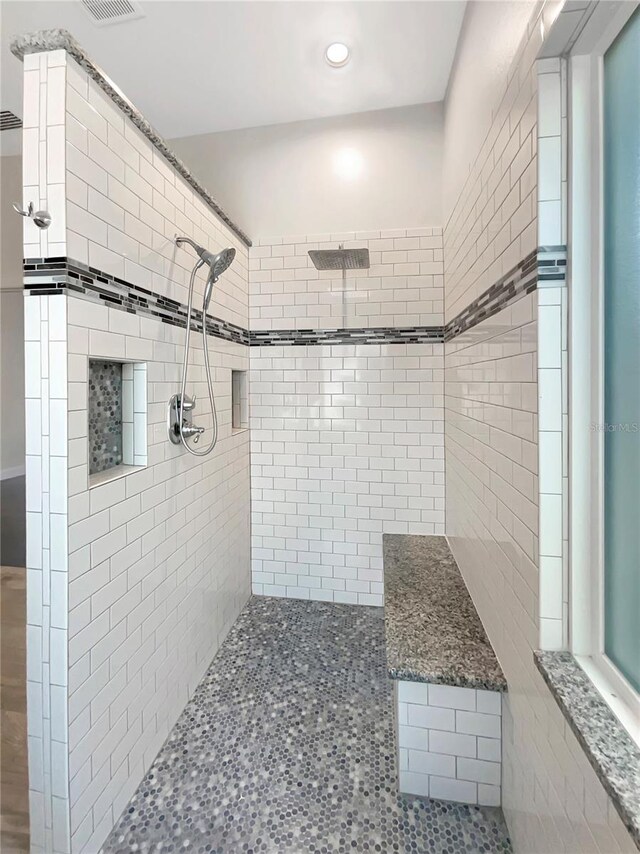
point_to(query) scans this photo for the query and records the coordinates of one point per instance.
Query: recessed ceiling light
(337, 54)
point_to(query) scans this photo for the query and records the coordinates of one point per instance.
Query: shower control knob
(189, 429)
(189, 403)
(178, 427)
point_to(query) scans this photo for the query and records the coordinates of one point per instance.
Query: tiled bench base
(449, 742)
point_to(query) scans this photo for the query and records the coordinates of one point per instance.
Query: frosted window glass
(622, 351)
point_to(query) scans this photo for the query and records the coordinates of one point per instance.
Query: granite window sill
(612, 753)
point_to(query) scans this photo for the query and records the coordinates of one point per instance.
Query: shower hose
(214, 438)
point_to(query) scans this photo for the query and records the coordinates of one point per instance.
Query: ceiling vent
(104, 12)
(9, 121)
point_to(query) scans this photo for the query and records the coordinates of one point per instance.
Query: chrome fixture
(179, 427)
(187, 429)
(340, 259)
(41, 218)
(218, 264)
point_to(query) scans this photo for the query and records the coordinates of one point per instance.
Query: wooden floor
(14, 788)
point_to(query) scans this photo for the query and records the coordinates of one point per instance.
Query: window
(621, 351)
(605, 358)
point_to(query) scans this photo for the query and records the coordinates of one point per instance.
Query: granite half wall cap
(47, 40)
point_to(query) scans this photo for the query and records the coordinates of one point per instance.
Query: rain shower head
(340, 259)
(217, 263)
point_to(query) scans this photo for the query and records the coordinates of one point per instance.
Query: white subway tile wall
(47, 444)
(126, 204)
(402, 287)
(552, 798)
(43, 133)
(449, 742)
(493, 224)
(346, 443)
(553, 606)
(132, 584)
(46, 461)
(158, 572)
(346, 440)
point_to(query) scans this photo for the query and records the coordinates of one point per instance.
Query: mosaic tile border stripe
(544, 268)
(520, 280)
(552, 266)
(373, 335)
(48, 276)
(59, 39)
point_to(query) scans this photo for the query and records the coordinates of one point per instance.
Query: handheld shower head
(180, 428)
(217, 264)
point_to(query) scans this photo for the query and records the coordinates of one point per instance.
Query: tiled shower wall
(346, 439)
(132, 584)
(402, 287)
(346, 443)
(46, 447)
(553, 379)
(552, 798)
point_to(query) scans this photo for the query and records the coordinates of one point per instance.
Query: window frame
(586, 364)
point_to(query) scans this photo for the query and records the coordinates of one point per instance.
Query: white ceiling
(198, 67)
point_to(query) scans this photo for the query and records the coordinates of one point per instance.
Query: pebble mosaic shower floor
(287, 746)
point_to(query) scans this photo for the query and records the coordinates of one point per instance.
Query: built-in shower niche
(239, 401)
(117, 427)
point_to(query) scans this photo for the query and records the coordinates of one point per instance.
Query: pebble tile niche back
(105, 415)
(117, 419)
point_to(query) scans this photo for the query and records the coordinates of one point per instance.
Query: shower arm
(192, 243)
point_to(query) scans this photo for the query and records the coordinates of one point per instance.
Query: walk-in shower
(179, 427)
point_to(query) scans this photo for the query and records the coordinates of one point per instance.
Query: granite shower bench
(448, 684)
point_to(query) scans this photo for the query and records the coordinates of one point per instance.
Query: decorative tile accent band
(552, 266)
(47, 276)
(547, 265)
(58, 39)
(376, 335)
(520, 280)
(50, 276)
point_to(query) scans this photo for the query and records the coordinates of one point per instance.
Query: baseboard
(16, 471)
